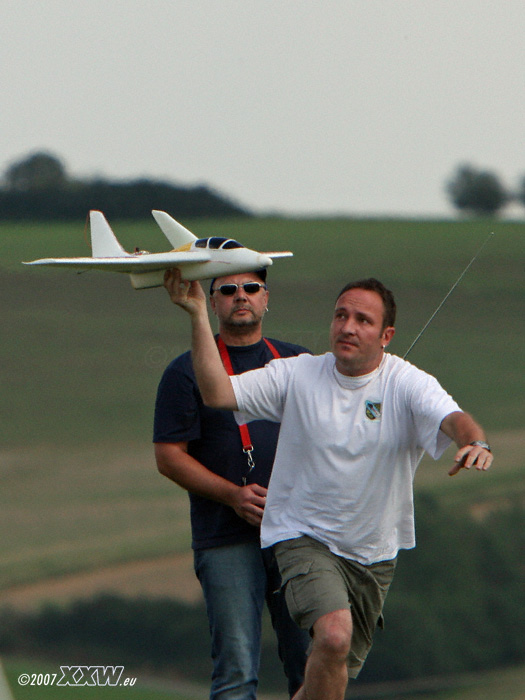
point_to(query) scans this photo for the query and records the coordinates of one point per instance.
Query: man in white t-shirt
(354, 425)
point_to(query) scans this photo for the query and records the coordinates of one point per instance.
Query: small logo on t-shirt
(373, 409)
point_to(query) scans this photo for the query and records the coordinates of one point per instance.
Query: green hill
(82, 356)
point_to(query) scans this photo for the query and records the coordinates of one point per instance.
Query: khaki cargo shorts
(317, 582)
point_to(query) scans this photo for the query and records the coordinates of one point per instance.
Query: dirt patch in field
(171, 576)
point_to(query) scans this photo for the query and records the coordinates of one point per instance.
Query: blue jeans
(236, 580)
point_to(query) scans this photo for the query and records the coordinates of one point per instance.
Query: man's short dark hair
(261, 274)
(373, 285)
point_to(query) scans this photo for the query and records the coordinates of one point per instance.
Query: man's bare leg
(326, 674)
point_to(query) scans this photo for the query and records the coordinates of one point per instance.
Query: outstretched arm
(213, 380)
(463, 429)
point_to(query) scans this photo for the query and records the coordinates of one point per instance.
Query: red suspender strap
(272, 348)
(247, 446)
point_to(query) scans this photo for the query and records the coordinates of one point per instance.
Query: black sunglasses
(228, 290)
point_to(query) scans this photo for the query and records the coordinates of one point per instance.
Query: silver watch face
(480, 443)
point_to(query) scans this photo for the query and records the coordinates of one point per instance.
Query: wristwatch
(480, 443)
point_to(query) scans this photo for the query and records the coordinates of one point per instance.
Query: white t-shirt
(348, 450)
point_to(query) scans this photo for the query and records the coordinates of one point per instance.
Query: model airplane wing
(197, 258)
(280, 254)
(132, 262)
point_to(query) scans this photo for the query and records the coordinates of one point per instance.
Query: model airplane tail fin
(103, 241)
(176, 234)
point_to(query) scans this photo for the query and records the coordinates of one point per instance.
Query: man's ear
(388, 334)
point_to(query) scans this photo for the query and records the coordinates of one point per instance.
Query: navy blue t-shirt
(214, 440)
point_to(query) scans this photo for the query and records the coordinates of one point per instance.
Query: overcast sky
(297, 106)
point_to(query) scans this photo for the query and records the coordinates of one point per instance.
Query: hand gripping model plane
(197, 258)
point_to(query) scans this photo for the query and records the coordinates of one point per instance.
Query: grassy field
(82, 355)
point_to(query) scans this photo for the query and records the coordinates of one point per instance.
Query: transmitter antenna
(427, 324)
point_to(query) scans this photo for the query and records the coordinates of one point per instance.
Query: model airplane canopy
(197, 258)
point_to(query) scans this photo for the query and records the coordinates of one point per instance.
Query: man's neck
(241, 336)
(359, 370)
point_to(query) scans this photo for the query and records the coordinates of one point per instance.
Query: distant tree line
(481, 192)
(38, 187)
(457, 605)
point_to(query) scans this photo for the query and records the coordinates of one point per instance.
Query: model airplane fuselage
(197, 258)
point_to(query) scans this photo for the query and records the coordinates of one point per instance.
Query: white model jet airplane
(197, 258)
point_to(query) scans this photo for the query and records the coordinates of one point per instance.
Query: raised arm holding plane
(214, 383)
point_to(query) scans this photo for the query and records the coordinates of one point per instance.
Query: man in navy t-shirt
(206, 452)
